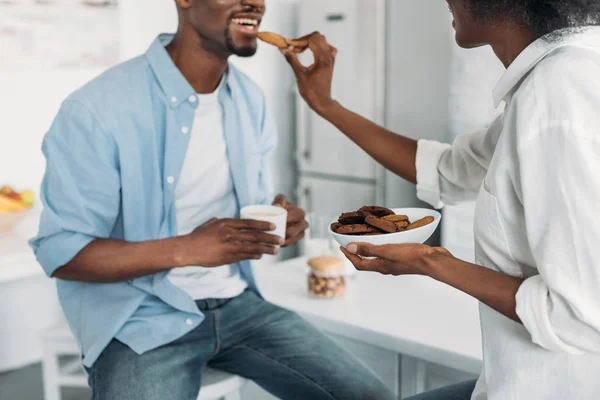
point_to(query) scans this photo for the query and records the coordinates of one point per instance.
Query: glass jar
(326, 277)
(318, 241)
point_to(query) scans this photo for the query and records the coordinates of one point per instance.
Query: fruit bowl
(13, 207)
(418, 235)
(8, 220)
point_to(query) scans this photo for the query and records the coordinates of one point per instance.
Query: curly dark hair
(542, 17)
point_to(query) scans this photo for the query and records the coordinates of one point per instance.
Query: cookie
(277, 40)
(402, 224)
(381, 224)
(335, 226)
(357, 217)
(273, 39)
(420, 223)
(356, 229)
(396, 218)
(377, 211)
(299, 43)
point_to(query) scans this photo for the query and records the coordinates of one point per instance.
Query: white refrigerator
(392, 68)
(334, 174)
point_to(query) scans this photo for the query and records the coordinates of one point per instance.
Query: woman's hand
(394, 259)
(314, 82)
(495, 289)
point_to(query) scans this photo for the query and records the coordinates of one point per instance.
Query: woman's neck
(509, 40)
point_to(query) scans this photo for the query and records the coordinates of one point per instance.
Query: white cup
(273, 214)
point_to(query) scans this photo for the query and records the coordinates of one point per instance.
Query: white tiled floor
(26, 384)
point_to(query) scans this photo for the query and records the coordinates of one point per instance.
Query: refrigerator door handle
(335, 17)
(308, 198)
(304, 154)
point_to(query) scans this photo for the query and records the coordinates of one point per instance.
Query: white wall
(28, 103)
(141, 21)
(29, 100)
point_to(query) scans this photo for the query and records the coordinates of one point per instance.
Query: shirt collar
(172, 82)
(535, 53)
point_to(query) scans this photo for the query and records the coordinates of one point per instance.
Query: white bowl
(9, 220)
(419, 235)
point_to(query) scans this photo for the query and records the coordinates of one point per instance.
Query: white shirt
(534, 175)
(204, 191)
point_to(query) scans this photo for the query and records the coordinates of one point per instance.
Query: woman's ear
(184, 4)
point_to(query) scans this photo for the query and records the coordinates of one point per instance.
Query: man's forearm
(109, 261)
(396, 153)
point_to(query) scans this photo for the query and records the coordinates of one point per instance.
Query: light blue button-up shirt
(114, 154)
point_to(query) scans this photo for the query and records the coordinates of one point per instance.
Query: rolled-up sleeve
(81, 187)
(268, 144)
(558, 185)
(451, 174)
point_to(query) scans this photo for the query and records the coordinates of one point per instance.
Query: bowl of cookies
(380, 225)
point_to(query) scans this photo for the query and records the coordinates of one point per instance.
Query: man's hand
(227, 241)
(296, 222)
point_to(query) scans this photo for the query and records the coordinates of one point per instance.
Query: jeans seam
(218, 340)
(287, 367)
(92, 382)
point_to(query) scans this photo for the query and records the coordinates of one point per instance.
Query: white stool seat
(219, 384)
(58, 341)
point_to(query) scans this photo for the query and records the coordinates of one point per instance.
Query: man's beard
(248, 51)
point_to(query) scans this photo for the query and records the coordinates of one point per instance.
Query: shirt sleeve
(80, 191)
(451, 174)
(268, 144)
(558, 185)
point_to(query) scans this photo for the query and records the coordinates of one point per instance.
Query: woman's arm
(495, 289)
(443, 173)
(396, 153)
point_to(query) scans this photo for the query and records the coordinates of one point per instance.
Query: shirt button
(192, 99)
(170, 179)
(189, 321)
(185, 130)
(173, 99)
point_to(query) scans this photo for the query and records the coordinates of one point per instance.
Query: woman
(534, 176)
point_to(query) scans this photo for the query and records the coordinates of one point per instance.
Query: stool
(58, 342)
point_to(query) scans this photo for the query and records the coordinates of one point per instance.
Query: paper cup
(273, 214)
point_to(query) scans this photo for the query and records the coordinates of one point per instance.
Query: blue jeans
(459, 391)
(246, 336)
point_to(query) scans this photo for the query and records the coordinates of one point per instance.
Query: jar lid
(326, 264)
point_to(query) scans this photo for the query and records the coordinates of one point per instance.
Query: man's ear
(183, 4)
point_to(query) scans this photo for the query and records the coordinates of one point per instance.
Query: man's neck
(202, 67)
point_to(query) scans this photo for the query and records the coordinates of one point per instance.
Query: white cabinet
(418, 376)
(383, 363)
(324, 196)
(349, 25)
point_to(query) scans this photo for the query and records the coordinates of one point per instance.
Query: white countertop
(411, 315)
(16, 258)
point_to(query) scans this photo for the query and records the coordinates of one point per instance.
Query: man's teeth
(245, 21)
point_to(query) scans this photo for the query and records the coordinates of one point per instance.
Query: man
(140, 163)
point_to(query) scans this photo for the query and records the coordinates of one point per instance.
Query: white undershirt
(205, 190)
